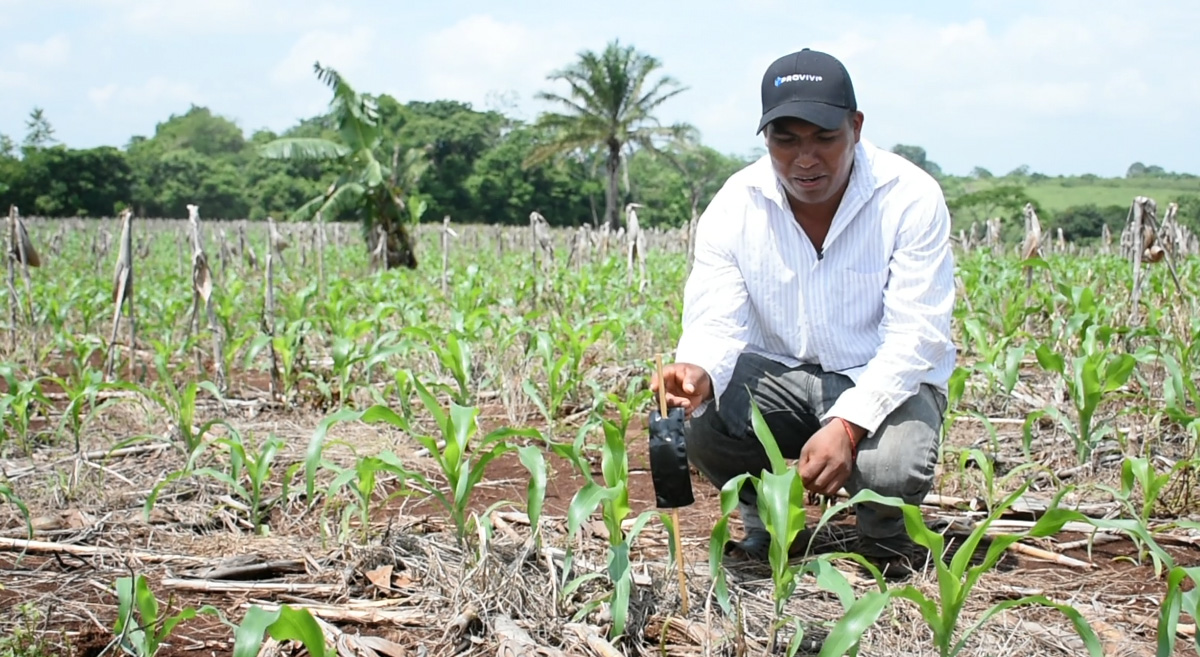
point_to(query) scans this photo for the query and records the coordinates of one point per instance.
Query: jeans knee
(901, 465)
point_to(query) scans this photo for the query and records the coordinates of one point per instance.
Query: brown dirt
(1114, 581)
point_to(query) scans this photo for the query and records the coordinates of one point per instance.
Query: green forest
(445, 158)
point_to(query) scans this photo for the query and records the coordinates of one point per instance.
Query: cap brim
(828, 117)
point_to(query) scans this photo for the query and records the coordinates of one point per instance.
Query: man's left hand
(826, 460)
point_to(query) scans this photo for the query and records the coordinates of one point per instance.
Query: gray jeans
(898, 460)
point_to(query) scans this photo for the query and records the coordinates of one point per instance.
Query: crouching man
(823, 287)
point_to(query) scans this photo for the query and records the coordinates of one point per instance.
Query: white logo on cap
(797, 77)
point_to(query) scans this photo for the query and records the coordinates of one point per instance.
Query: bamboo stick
(1046, 555)
(409, 617)
(211, 586)
(48, 547)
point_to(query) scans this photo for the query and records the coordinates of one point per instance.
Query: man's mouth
(808, 181)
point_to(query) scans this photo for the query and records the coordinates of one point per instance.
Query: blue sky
(1064, 86)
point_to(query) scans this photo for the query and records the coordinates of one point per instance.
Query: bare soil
(103, 508)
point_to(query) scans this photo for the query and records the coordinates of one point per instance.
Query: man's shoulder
(755, 177)
(897, 175)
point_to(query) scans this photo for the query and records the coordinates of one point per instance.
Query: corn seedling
(1140, 471)
(283, 624)
(455, 356)
(958, 578)
(362, 480)
(7, 494)
(246, 474)
(1094, 375)
(462, 460)
(81, 396)
(19, 406)
(613, 500)
(139, 628)
(780, 496)
(1175, 601)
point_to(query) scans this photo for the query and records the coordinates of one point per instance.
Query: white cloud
(228, 16)
(480, 55)
(346, 51)
(101, 95)
(1037, 65)
(157, 90)
(52, 52)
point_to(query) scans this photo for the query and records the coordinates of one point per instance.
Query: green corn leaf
(7, 493)
(718, 537)
(535, 462)
(957, 385)
(1118, 372)
(763, 432)
(1048, 360)
(584, 502)
(283, 624)
(847, 632)
(462, 426)
(831, 579)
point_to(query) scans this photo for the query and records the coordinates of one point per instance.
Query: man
(823, 285)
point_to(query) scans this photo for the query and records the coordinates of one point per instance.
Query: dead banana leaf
(25, 248)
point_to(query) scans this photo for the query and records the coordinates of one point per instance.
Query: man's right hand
(686, 385)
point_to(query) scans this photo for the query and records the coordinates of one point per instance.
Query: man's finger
(825, 480)
(809, 470)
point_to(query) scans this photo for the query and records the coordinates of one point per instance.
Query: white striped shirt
(876, 304)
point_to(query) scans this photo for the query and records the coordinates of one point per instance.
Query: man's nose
(806, 157)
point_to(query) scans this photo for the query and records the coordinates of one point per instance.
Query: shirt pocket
(855, 315)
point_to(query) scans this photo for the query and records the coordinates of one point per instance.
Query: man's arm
(918, 306)
(716, 306)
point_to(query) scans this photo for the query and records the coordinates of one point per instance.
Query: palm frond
(303, 148)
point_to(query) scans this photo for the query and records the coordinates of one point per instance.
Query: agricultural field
(452, 460)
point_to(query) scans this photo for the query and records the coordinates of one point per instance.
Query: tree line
(381, 162)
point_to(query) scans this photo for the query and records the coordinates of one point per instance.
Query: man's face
(813, 163)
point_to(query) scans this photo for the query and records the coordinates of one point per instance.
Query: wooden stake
(122, 294)
(683, 593)
(12, 281)
(321, 254)
(27, 256)
(202, 287)
(447, 233)
(269, 326)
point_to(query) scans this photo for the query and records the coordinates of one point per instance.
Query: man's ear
(856, 120)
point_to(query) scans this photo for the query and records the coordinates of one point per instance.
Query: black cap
(808, 85)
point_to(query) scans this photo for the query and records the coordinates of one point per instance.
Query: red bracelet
(850, 435)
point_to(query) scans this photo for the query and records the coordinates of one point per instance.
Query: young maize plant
(613, 499)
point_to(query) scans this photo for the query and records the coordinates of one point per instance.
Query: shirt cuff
(860, 406)
(715, 356)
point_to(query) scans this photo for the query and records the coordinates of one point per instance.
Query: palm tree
(367, 188)
(611, 107)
